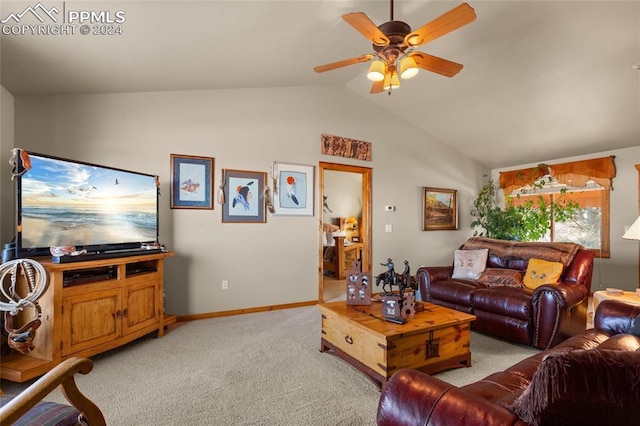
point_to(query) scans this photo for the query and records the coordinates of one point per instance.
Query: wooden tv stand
(91, 307)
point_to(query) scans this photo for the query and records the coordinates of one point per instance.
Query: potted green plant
(528, 221)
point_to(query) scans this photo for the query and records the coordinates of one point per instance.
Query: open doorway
(345, 225)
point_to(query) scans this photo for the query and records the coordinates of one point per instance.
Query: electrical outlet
(225, 285)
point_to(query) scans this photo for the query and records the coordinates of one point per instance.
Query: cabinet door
(140, 308)
(91, 319)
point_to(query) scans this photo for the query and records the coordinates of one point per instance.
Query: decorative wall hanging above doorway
(345, 147)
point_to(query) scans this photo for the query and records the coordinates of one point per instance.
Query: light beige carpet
(255, 369)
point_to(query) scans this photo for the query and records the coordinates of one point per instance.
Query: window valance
(575, 173)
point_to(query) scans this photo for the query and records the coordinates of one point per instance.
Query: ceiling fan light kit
(394, 46)
(377, 70)
(408, 67)
(391, 80)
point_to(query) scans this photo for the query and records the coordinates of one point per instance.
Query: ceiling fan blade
(344, 63)
(457, 17)
(435, 64)
(377, 87)
(367, 28)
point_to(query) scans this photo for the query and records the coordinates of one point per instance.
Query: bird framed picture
(191, 182)
(244, 192)
(293, 186)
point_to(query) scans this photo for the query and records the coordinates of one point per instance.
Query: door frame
(365, 226)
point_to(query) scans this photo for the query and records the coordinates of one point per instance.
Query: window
(589, 226)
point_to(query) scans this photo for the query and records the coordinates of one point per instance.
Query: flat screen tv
(63, 202)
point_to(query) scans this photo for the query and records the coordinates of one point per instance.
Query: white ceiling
(542, 79)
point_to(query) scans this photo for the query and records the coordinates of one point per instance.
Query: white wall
(621, 269)
(344, 195)
(7, 218)
(247, 129)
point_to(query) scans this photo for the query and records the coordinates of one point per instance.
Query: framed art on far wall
(440, 209)
(244, 192)
(191, 182)
(293, 192)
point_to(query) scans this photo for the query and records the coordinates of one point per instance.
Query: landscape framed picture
(440, 209)
(191, 182)
(244, 192)
(293, 192)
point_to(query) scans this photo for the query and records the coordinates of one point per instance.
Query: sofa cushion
(541, 272)
(469, 263)
(456, 291)
(505, 301)
(625, 342)
(46, 414)
(583, 387)
(495, 277)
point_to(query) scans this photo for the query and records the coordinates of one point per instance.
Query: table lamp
(352, 228)
(633, 233)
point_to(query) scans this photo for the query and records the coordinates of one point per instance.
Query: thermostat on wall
(389, 208)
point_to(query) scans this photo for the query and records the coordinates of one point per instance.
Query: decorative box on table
(358, 285)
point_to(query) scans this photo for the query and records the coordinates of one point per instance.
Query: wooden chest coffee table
(436, 339)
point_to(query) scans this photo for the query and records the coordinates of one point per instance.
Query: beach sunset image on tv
(70, 203)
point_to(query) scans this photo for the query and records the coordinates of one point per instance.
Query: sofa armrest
(580, 270)
(411, 398)
(615, 317)
(426, 275)
(559, 311)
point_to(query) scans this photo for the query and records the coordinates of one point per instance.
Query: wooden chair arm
(61, 375)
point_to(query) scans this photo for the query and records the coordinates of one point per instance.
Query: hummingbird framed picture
(293, 189)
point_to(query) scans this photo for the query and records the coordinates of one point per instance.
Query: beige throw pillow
(469, 264)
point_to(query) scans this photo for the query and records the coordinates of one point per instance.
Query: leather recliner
(598, 384)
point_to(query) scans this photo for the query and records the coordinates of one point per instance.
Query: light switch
(388, 228)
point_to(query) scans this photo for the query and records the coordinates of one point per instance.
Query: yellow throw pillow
(541, 272)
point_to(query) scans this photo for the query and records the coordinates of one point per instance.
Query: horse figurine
(391, 278)
(387, 280)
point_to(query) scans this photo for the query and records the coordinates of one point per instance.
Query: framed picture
(440, 209)
(244, 193)
(191, 182)
(293, 189)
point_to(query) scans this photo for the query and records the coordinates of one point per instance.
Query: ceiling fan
(394, 47)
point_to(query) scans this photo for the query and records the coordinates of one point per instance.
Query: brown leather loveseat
(592, 378)
(542, 317)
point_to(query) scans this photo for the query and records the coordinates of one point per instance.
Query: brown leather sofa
(541, 318)
(592, 378)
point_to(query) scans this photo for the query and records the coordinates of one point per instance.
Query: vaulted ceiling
(541, 79)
